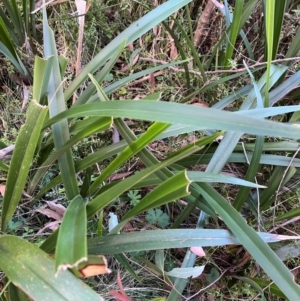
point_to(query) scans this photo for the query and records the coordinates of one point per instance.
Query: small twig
(6, 150)
(293, 220)
(259, 64)
(145, 78)
(203, 28)
(211, 284)
(284, 174)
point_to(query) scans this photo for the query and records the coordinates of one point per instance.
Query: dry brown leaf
(120, 176)
(134, 61)
(60, 209)
(50, 213)
(52, 226)
(2, 189)
(131, 47)
(25, 96)
(201, 103)
(120, 296)
(152, 80)
(203, 26)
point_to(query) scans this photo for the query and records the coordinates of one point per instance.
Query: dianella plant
(53, 270)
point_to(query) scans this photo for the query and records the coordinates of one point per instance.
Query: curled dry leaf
(121, 295)
(49, 213)
(95, 265)
(52, 226)
(55, 211)
(59, 208)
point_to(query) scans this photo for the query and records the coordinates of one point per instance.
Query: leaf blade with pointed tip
(22, 159)
(71, 248)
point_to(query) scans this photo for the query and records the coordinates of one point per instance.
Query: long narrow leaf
(32, 270)
(189, 115)
(71, 249)
(165, 239)
(56, 103)
(260, 251)
(22, 159)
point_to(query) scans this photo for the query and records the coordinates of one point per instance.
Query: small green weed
(157, 216)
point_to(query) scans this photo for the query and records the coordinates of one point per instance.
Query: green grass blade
(97, 126)
(284, 88)
(132, 149)
(234, 30)
(165, 239)
(240, 158)
(189, 115)
(243, 193)
(122, 82)
(41, 76)
(208, 177)
(8, 49)
(56, 103)
(260, 251)
(110, 195)
(22, 159)
(132, 33)
(270, 24)
(269, 286)
(267, 196)
(169, 190)
(279, 12)
(101, 75)
(288, 215)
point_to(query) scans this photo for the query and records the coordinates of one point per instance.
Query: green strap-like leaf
(173, 188)
(166, 239)
(260, 251)
(33, 271)
(71, 248)
(22, 159)
(56, 104)
(189, 115)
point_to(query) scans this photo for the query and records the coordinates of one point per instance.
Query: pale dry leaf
(135, 59)
(25, 96)
(118, 296)
(201, 103)
(152, 80)
(121, 295)
(131, 47)
(119, 176)
(6, 150)
(2, 189)
(52, 226)
(198, 251)
(50, 213)
(59, 208)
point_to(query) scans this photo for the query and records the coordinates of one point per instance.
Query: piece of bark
(203, 26)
